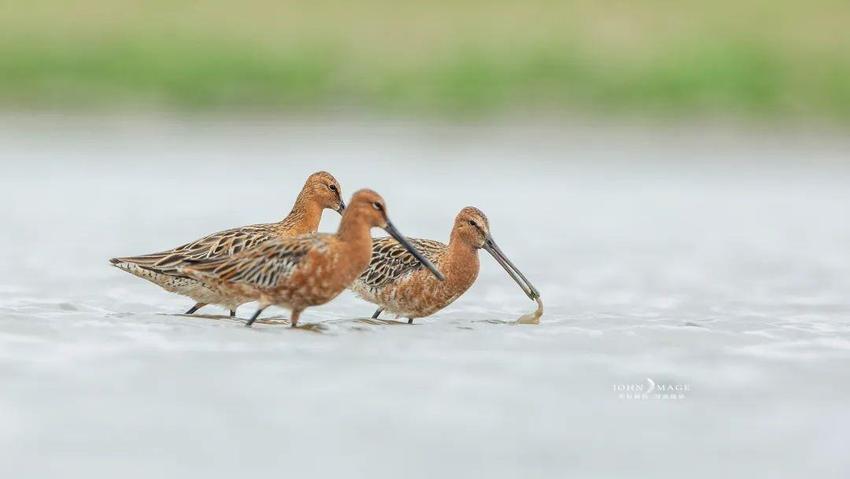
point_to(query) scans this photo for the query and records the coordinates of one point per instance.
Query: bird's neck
(355, 230)
(460, 264)
(304, 217)
(355, 236)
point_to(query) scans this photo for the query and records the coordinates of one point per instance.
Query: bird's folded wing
(390, 260)
(263, 267)
(217, 245)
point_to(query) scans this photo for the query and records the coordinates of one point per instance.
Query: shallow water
(706, 261)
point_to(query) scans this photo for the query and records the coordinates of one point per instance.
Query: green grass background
(783, 58)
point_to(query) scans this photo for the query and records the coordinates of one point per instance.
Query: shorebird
(321, 191)
(309, 270)
(396, 282)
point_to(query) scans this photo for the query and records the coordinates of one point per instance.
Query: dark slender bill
(512, 270)
(409, 247)
(341, 208)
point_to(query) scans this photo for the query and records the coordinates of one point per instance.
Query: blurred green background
(764, 59)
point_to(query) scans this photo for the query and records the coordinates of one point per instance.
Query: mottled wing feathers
(390, 260)
(217, 245)
(262, 267)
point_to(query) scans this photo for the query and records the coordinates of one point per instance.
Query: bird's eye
(332, 188)
(471, 222)
(377, 206)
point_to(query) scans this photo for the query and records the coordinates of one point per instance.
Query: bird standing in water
(320, 192)
(309, 270)
(397, 283)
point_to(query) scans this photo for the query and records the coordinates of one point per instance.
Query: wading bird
(309, 270)
(321, 191)
(396, 282)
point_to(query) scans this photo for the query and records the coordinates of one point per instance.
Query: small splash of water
(533, 317)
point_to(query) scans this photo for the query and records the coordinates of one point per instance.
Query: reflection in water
(382, 322)
(216, 317)
(319, 326)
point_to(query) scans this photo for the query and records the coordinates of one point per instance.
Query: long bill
(409, 247)
(512, 270)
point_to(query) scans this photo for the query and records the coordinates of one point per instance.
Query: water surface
(711, 263)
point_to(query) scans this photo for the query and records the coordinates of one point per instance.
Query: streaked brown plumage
(399, 285)
(310, 270)
(320, 191)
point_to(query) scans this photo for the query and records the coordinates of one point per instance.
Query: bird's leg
(232, 313)
(293, 322)
(254, 317)
(409, 320)
(377, 313)
(196, 307)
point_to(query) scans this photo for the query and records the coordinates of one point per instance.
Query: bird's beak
(341, 208)
(389, 228)
(512, 270)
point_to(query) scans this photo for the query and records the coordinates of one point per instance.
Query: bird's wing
(262, 267)
(217, 245)
(390, 260)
